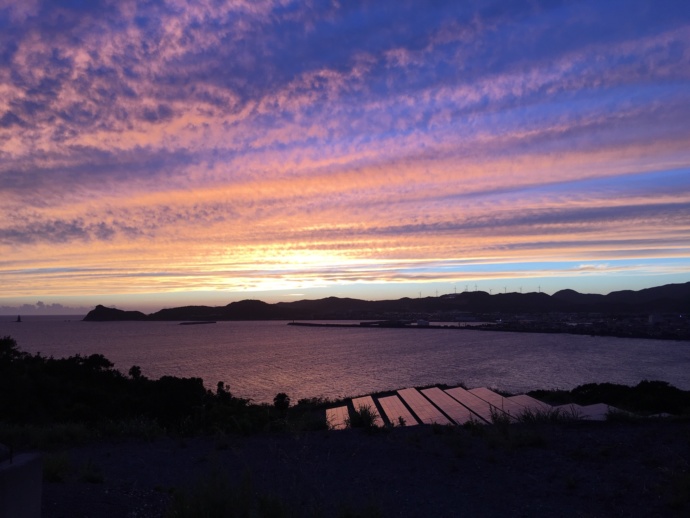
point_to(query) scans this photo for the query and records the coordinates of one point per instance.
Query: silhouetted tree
(223, 392)
(281, 402)
(135, 372)
(98, 362)
(8, 349)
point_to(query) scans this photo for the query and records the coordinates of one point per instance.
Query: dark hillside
(187, 313)
(673, 298)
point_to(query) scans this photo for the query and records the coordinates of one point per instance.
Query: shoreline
(519, 327)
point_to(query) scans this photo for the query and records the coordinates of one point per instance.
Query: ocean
(257, 360)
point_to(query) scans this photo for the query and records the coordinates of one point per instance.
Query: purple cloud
(268, 124)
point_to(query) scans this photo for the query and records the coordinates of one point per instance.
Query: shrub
(363, 417)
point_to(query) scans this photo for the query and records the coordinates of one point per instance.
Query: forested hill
(671, 298)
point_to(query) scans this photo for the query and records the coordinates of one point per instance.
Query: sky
(164, 153)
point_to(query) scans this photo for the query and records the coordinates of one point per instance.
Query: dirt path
(579, 469)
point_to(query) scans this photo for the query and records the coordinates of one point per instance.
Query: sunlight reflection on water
(259, 359)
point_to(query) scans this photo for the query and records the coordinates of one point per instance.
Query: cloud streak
(228, 139)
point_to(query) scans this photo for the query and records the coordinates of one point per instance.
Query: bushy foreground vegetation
(48, 402)
(645, 398)
(82, 395)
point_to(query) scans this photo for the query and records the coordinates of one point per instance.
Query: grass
(46, 438)
(214, 496)
(475, 427)
(368, 511)
(400, 422)
(56, 466)
(571, 482)
(308, 421)
(505, 433)
(499, 418)
(621, 416)
(458, 439)
(523, 437)
(91, 473)
(548, 415)
(442, 429)
(141, 427)
(514, 439)
(57, 436)
(679, 491)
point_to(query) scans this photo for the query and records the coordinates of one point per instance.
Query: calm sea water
(259, 359)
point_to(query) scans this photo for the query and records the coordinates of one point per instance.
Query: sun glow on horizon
(217, 149)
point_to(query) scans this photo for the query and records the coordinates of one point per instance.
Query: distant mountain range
(671, 298)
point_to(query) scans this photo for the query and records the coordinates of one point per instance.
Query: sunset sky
(164, 153)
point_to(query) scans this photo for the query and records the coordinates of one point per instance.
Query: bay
(259, 359)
